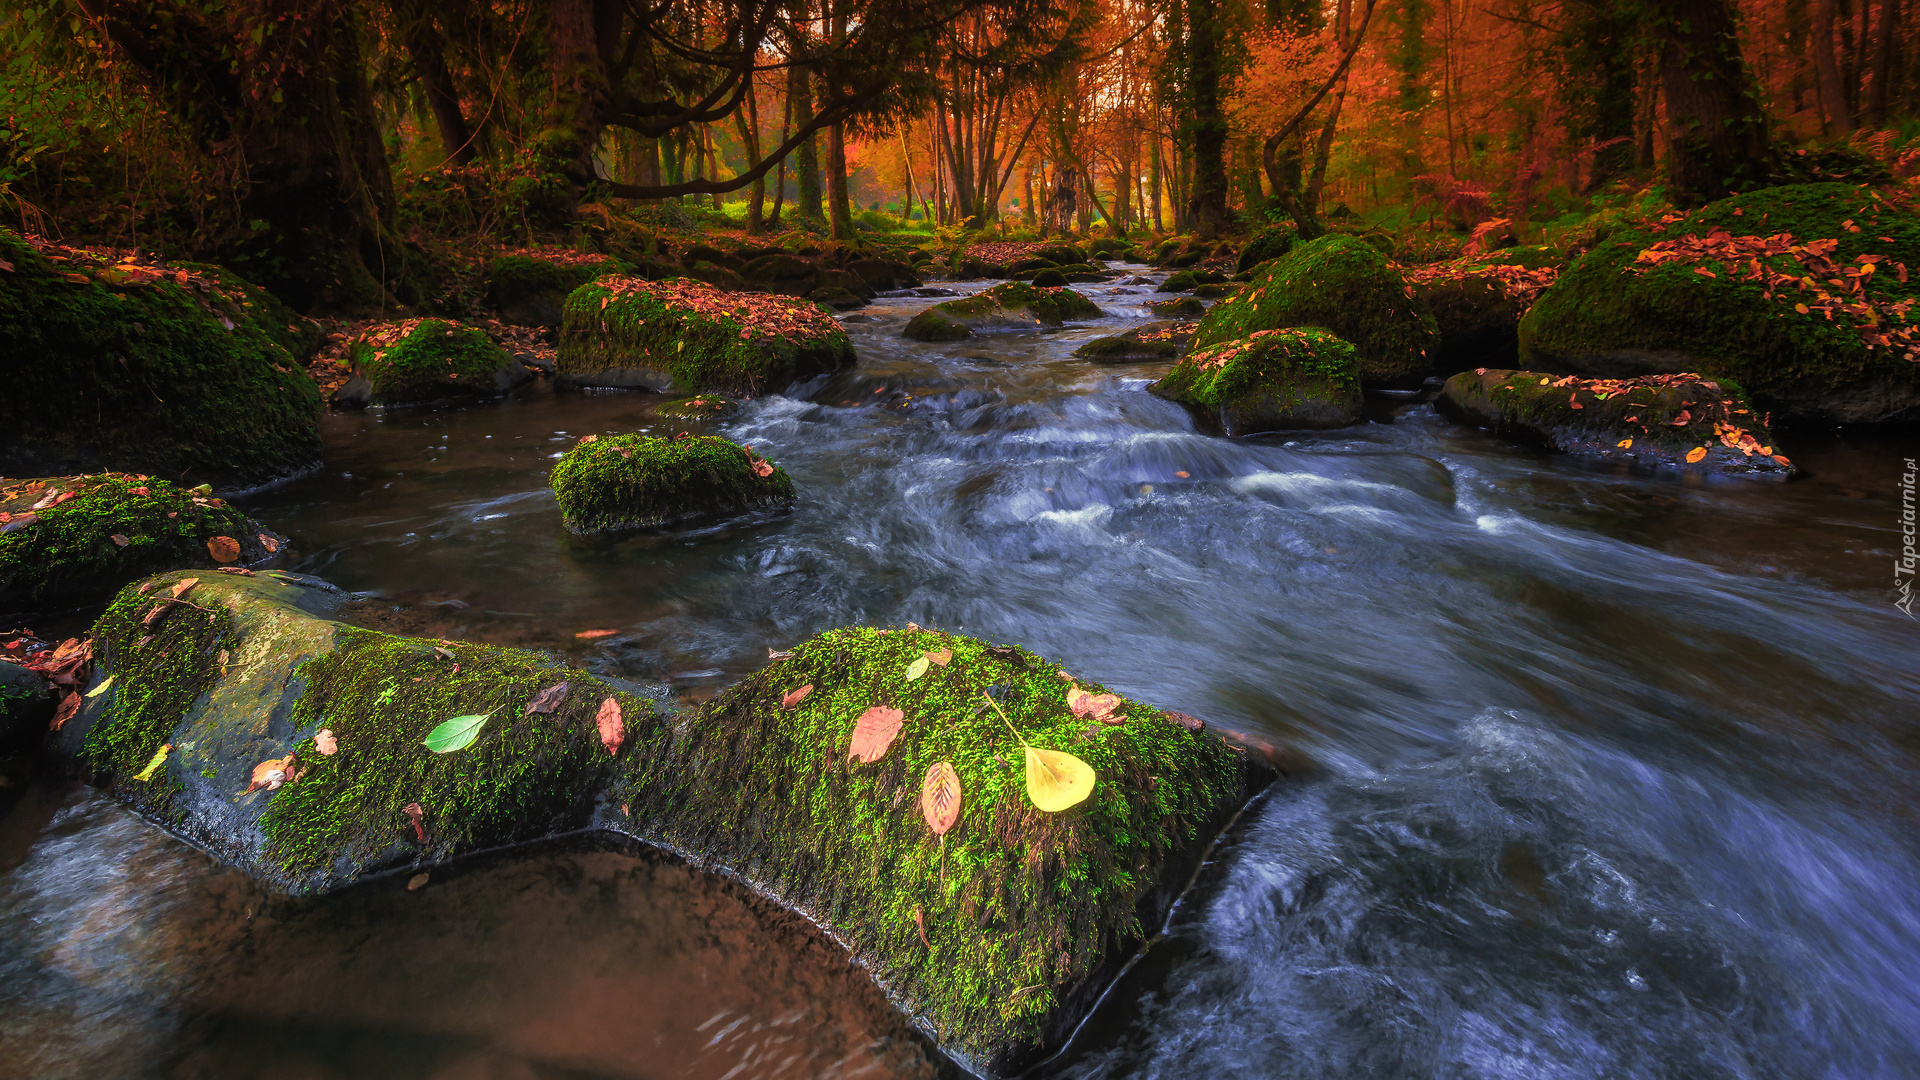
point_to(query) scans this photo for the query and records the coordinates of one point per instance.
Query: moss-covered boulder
(1477, 302)
(1049, 279)
(27, 703)
(1108, 247)
(237, 679)
(1184, 281)
(245, 718)
(530, 289)
(1271, 380)
(416, 361)
(634, 481)
(1181, 307)
(300, 336)
(1012, 305)
(690, 337)
(1683, 422)
(1269, 243)
(142, 366)
(1802, 294)
(75, 538)
(1344, 284)
(1154, 341)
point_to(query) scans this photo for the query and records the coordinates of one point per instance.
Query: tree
(1720, 140)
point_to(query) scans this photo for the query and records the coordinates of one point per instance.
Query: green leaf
(917, 669)
(456, 734)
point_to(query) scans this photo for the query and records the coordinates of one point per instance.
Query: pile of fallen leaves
(1725, 417)
(1221, 355)
(128, 268)
(1521, 284)
(762, 314)
(558, 256)
(1816, 283)
(1006, 251)
(66, 666)
(1169, 332)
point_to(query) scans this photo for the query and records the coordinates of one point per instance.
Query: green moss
(145, 377)
(526, 775)
(1270, 243)
(1273, 380)
(697, 407)
(299, 336)
(1803, 366)
(934, 324)
(1344, 284)
(692, 338)
(1048, 306)
(1184, 281)
(1050, 279)
(1031, 908)
(1181, 307)
(70, 551)
(160, 670)
(432, 359)
(516, 279)
(633, 481)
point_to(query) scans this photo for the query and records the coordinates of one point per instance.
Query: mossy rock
(718, 276)
(1031, 265)
(1049, 279)
(689, 337)
(107, 529)
(426, 360)
(1682, 423)
(1269, 243)
(1107, 246)
(1154, 341)
(300, 336)
(1341, 283)
(1271, 380)
(634, 481)
(1027, 916)
(1180, 307)
(1607, 316)
(529, 290)
(112, 369)
(250, 669)
(1215, 290)
(1184, 281)
(1062, 254)
(27, 702)
(782, 273)
(697, 407)
(1014, 304)
(1476, 308)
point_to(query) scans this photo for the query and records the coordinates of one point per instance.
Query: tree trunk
(807, 158)
(749, 121)
(1208, 201)
(838, 207)
(1719, 132)
(1879, 91)
(1833, 96)
(429, 52)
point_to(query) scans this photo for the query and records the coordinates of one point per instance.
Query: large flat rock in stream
(241, 716)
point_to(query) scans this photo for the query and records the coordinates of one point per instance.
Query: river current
(1596, 774)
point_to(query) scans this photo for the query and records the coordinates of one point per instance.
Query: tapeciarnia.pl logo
(1903, 567)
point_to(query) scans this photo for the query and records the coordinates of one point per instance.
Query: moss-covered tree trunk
(1209, 122)
(1720, 140)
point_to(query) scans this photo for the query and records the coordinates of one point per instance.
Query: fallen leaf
(612, 731)
(873, 733)
(1782, 459)
(19, 522)
(763, 467)
(1057, 780)
(940, 797)
(549, 699)
(917, 668)
(1625, 444)
(68, 706)
(920, 920)
(794, 697)
(455, 734)
(771, 655)
(1696, 454)
(417, 881)
(585, 439)
(183, 587)
(1182, 474)
(119, 541)
(324, 742)
(1191, 723)
(102, 688)
(414, 814)
(442, 653)
(224, 549)
(269, 774)
(269, 543)
(591, 635)
(158, 759)
(941, 657)
(1094, 706)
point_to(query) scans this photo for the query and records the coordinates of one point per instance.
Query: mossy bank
(1271, 380)
(146, 368)
(689, 337)
(636, 481)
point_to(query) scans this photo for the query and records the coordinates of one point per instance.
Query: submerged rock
(1154, 341)
(634, 481)
(690, 337)
(1344, 284)
(1184, 281)
(78, 538)
(1800, 293)
(1013, 304)
(1272, 380)
(697, 407)
(531, 289)
(147, 367)
(1675, 422)
(422, 360)
(294, 747)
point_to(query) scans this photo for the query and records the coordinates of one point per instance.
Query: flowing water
(1599, 775)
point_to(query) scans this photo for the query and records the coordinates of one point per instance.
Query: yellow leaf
(101, 689)
(153, 764)
(1057, 780)
(916, 669)
(1625, 444)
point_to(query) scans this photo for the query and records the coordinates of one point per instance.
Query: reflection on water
(1607, 774)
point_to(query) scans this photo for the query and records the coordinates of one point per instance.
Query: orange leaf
(324, 742)
(795, 696)
(612, 731)
(269, 543)
(1625, 444)
(940, 797)
(1696, 454)
(184, 586)
(1094, 706)
(941, 656)
(873, 733)
(224, 549)
(591, 635)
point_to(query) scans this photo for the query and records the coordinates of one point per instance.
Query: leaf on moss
(1191, 723)
(940, 797)
(414, 814)
(873, 733)
(1094, 706)
(158, 759)
(1057, 780)
(324, 742)
(102, 688)
(593, 635)
(119, 540)
(613, 731)
(916, 669)
(224, 549)
(270, 774)
(942, 657)
(549, 699)
(456, 734)
(794, 697)
(183, 587)
(269, 543)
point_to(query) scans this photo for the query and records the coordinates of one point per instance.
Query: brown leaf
(183, 587)
(414, 814)
(920, 920)
(324, 742)
(548, 700)
(224, 549)
(417, 881)
(68, 706)
(763, 467)
(795, 696)
(940, 797)
(1191, 723)
(873, 733)
(612, 731)
(18, 522)
(941, 656)
(153, 614)
(269, 774)
(269, 543)
(119, 540)
(1094, 706)
(593, 635)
